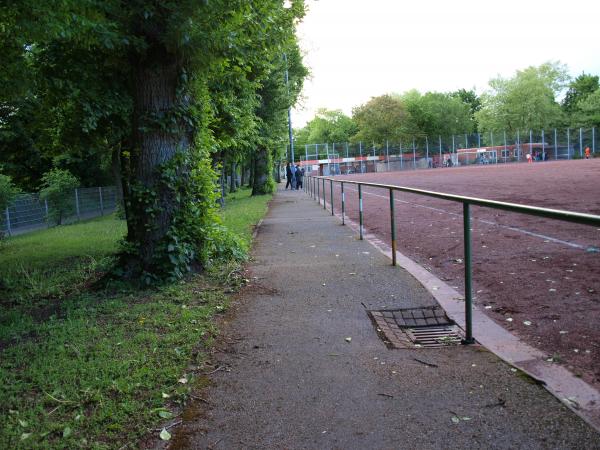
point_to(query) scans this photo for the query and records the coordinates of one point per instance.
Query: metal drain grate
(433, 336)
(416, 328)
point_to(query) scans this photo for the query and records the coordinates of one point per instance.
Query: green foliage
(579, 89)
(8, 191)
(587, 113)
(58, 190)
(526, 101)
(381, 119)
(327, 126)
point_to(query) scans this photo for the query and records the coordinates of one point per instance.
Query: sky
(358, 49)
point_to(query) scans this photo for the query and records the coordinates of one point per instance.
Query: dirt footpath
(303, 366)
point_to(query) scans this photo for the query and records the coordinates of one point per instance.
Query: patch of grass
(242, 212)
(98, 369)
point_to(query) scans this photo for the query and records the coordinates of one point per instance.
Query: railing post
(393, 226)
(580, 142)
(343, 203)
(324, 196)
(331, 194)
(318, 190)
(468, 276)
(8, 229)
(555, 146)
(101, 201)
(360, 211)
(77, 203)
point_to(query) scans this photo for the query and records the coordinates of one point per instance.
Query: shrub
(57, 189)
(8, 191)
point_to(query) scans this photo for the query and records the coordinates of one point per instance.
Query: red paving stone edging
(582, 398)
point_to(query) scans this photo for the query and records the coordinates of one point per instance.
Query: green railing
(314, 188)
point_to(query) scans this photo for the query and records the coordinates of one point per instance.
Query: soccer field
(539, 278)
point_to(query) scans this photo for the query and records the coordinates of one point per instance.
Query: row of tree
(158, 96)
(528, 100)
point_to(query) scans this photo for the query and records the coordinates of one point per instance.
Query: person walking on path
(289, 176)
(299, 176)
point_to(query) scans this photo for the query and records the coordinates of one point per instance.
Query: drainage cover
(416, 327)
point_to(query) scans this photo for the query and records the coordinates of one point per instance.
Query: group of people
(294, 175)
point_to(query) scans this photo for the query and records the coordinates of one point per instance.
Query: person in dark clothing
(289, 176)
(299, 176)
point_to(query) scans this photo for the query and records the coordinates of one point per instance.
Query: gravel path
(291, 379)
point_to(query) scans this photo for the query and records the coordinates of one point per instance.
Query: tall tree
(525, 101)
(327, 126)
(579, 89)
(381, 119)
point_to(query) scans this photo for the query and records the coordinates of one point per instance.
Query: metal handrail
(313, 188)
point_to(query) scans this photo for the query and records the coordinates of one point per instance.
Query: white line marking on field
(488, 222)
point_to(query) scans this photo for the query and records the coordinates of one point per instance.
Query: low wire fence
(330, 159)
(29, 213)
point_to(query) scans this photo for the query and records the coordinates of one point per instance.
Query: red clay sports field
(537, 277)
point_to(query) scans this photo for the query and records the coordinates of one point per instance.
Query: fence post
(101, 201)
(46, 208)
(318, 190)
(360, 211)
(360, 153)
(468, 288)
(324, 196)
(440, 141)
(531, 143)
(505, 152)
(555, 146)
(393, 226)
(343, 203)
(543, 146)
(593, 139)
(414, 155)
(8, 229)
(518, 146)
(331, 194)
(77, 203)
(568, 143)
(401, 157)
(427, 151)
(581, 142)
(387, 154)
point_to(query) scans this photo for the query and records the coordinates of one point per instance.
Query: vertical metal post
(543, 146)
(324, 196)
(346, 150)
(8, 228)
(427, 151)
(555, 145)
(46, 209)
(568, 143)
(495, 150)
(331, 194)
(318, 190)
(393, 226)
(468, 288)
(360, 211)
(306, 153)
(360, 153)
(414, 156)
(101, 201)
(77, 203)
(593, 139)
(343, 204)
(518, 146)
(531, 143)
(440, 142)
(581, 142)
(387, 155)
(453, 145)
(505, 152)
(401, 157)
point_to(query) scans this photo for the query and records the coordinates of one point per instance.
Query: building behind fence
(28, 213)
(457, 150)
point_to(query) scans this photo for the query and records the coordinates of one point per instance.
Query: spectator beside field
(587, 153)
(289, 175)
(299, 175)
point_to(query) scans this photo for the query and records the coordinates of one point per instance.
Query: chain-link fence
(456, 150)
(28, 213)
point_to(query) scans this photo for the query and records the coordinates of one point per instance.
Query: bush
(57, 189)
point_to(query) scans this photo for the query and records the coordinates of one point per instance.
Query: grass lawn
(99, 369)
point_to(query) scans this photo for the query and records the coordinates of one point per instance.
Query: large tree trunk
(278, 174)
(233, 181)
(263, 180)
(242, 175)
(251, 175)
(151, 201)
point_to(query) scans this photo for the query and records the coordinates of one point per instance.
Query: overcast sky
(357, 49)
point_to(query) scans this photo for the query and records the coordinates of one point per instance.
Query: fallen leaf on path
(165, 435)
(348, 339)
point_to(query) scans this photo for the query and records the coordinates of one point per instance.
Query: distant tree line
(527, 100)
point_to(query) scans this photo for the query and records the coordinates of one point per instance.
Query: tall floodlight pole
(287, 86)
